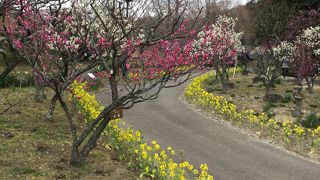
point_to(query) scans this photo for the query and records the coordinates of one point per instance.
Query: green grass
(32, 147)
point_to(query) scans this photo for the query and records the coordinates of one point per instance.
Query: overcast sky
(242, 2)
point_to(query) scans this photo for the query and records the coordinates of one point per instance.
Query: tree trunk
(298, 108)
(8, 69)
(224, 80)
(39, 96)
(227, 76)
(95, 129)
(80, 147)
(268, 90)
(216, 68)
(298, 101)
(92, 142)
(310, 83)
(76, 158)
(114, 88)
(52, 106)
(267, 96)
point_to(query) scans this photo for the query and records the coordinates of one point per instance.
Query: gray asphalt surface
(229, 153)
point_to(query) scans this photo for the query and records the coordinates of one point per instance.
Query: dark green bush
(210, 81)
(282, 105)
(277, 81)
(267, 107)
(9, 80)
(287, 98)
(13, 81)
(271, 114)
(95, 84)
(210, 89)
(311, 121)
(289, 91)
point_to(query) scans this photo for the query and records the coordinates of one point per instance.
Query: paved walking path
(229, 153)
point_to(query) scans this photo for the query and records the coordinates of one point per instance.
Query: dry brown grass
(250, 96)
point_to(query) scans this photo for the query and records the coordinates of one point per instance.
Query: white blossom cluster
(70, 41)
(311, 36)
(113, 22)
(108, 22)
(284, 51)
(231, 33)
(219, 33)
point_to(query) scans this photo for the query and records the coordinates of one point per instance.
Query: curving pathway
(229, 153)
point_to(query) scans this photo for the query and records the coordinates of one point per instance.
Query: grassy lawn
(250, 96)
(31, 147)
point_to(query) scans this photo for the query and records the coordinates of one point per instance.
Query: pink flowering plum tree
(43, 33)
(62, 39)
(13, 62)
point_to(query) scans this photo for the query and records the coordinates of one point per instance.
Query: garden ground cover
(31, 147)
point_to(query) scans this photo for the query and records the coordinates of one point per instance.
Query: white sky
(241, 2)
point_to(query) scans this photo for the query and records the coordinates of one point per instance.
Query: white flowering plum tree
(217, 46)
(311, 37)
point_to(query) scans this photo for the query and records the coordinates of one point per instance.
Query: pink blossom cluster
(51, 40)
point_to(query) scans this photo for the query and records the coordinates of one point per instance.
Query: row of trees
(297, 52)
(140, 51)
(288, 32)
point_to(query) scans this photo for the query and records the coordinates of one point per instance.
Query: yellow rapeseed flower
(144, 154)
(195, 172)
(157, 146)
(163, 173)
